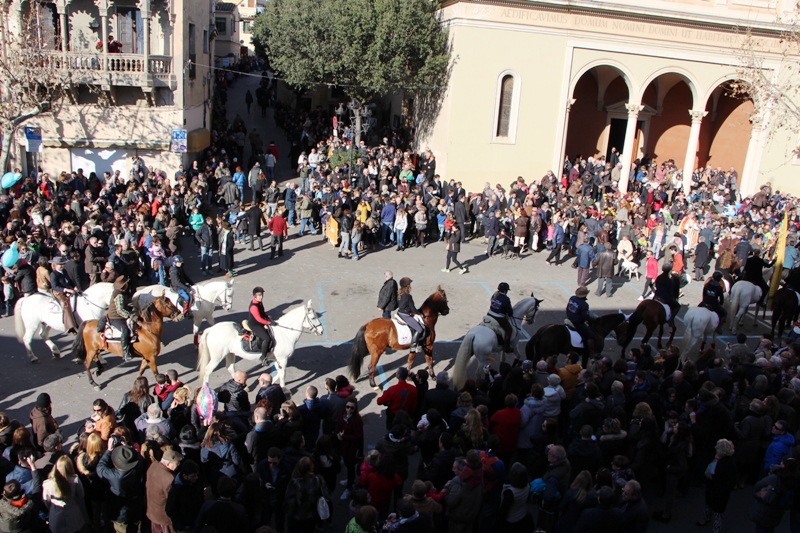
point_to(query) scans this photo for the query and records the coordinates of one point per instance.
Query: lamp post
(359, 125)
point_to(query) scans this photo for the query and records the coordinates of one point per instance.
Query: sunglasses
(350, 407)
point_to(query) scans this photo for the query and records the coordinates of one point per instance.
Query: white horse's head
(312, 321)
(526, 309)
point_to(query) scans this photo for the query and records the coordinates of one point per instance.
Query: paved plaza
(345, 293)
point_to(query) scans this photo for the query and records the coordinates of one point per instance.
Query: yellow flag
(780, 252)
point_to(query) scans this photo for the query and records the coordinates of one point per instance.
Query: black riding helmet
(503, 287)
(717, 276)
(258, 290)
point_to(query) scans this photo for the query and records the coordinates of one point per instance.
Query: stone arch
(687, 77)
(596, 92)
(726, 129)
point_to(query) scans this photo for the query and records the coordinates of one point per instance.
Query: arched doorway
(725, 133)
(590, 129)
(671, 96)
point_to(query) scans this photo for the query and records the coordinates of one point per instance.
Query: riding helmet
(177, 259)
(717, 276)
(405, 282)
(258, 290)
(666, 267)
(503, 287)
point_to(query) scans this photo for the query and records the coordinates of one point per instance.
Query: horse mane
(433, 301)
(147, 312)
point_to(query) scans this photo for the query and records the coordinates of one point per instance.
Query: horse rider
(63, 291)
(180, 283)
(120, 316)
(500, 309)
(258, 322)
(714, 298)
(407, 311)
(667, 291)
(754, 273)
(578, 314)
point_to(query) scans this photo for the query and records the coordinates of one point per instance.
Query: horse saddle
(574, 337)
(490, 322)
(250, 343)
(402, 329)
(112, 334)
(667, 308)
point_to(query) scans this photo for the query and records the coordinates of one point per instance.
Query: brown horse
(378, 334)
(785, 310)
(89, 344)
(652, 314)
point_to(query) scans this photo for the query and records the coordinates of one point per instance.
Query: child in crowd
(8, 294)
(166, 385)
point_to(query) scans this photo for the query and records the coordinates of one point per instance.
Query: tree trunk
(357, 131)
(5, 150)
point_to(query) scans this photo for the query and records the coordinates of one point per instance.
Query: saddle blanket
(402, 329)
(575, 338)
(490, 322)
(112, 334)
(665, 306)
(250, 343)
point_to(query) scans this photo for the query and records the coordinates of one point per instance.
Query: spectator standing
(387, 298)
(160, 477)
(402, 396)
(454, 240)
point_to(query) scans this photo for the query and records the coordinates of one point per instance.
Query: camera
(115, 441)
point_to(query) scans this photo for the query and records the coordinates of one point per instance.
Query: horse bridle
(316, 329)
(226, 299)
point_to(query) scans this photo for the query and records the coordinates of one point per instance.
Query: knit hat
(43, 400)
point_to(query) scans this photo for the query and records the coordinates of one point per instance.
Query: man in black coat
(261, 438)
(460, 213)
(604, 517)
(254, 224)
(635, 516)
(25, 275)
(387, 298)
(442, 398)
(701, 254)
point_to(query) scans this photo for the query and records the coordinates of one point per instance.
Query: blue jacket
(239, 179)
(492, 226)
(780, 447)
(586, 255)
(558, 235)
(290, 198)
(578, 310)
(388, 214)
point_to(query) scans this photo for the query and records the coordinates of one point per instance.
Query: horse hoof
(35, 361)
(56, 355)
(376, 388)
(97, 387)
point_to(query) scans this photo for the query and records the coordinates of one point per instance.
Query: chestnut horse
(652, 314)
(378, 334)
(89, 344)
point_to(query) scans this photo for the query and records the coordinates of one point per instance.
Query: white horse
(698, 323)
(41, 312)
(743, 293)
(206, 297)
(481, 341)
(222, 341)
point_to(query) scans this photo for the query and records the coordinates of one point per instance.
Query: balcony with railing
(116, 69)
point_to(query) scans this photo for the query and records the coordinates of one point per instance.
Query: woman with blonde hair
(472, 435)
(86, 465)
(580, 496)
(62, 495)
(720, 480)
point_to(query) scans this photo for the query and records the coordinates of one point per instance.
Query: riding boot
(127, 353)
(264, 352)
(415, 338)
(507, 348)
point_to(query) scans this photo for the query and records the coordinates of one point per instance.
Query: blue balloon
(10, 256)
(10, 179)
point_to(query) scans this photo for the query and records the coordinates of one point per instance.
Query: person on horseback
(63, 291)
(406, 310)
(180, 283)
(754, 273)
(578, 314)
(120, 316)
(258, 322)
(667, 291)
(500, 309)
(714, 297)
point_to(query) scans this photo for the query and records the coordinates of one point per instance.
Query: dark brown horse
(554, 339)
(89, 344)
(378, 334)
(785, 310)
(652, 314)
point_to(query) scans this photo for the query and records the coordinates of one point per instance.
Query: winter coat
(585, 255)
(584, 455)
(351, 445)
(570, 509)
(221, 459)
(442, 398)
(587, 413)
(16, 518)
(230, 192)
(605, 263)
(254, 221)
(554, 397)
(780, 447)
(387, 298)
(463, 496)
(505, 424)
(234, 396)
(302, 496)
(718, 488)
(125, 497)
(454, 240)
(767, 516)
(569, 378)
(749, 433)
(531, 419)
(42, 425)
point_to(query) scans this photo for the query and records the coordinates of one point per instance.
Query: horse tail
(733, 304)
(79, 345)
(465, 353)
(203, 356)
(688, 334)
(633, 324)
(19, 323)
(360, 351)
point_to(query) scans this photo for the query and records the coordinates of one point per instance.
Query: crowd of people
(527, 447)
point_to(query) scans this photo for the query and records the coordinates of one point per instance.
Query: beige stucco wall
(549, 51)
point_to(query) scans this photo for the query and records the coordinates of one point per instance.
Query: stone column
(560, 168)
(747, 187)
(144, 7)
(627, 148)
(61, 9)
(691, 148)
(102, 7)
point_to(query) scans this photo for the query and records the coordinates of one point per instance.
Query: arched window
(504, 111)
(504, 127)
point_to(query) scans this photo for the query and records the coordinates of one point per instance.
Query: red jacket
(400, 397)
(651, 268)
(277, 225)
(505, 424)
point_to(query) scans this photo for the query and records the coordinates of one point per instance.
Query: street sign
(33, 139)
(178, 142)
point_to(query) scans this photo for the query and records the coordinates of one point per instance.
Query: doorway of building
(616, 136)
